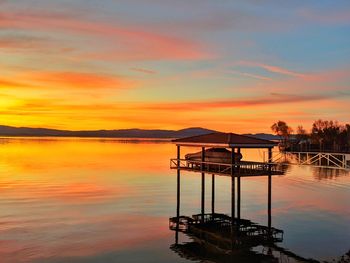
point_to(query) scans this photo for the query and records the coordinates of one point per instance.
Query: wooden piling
(203, 185)
(269, 189)
(213, 194)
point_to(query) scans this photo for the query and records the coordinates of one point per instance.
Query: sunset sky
(227, 65)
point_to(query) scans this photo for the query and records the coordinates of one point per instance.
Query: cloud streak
(67, 79)
(249, 75)
(272, 99)
(121, 42)
(80, 80)
(142, 70)
(273, 69)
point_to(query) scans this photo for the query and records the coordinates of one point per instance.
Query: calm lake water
(94, 200)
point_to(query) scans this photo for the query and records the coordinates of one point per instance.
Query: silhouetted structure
(222, 232)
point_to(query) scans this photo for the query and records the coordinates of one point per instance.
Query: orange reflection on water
(84, 197)
(26, 155)
(78, 197)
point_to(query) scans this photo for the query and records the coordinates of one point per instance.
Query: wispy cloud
(142, 70)
(271, 68)
(6, 83)
(196, 105)
(66, 80)
(249, 75)
(121, 42)
(272, 99)
(80, 80)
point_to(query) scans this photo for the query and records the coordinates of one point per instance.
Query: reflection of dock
(200, 253)
(217, 230)
(214, 238)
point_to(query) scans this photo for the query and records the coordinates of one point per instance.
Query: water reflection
(66, 200)
(195, 251)
(321, 173)
(86, 200)
(209, 245)
(219, 238)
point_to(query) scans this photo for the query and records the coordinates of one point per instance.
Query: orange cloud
(121, 42)
(66, 79)
(330, 76)
(217, 114)
(80, 80)
(5, 83)
(273, 98)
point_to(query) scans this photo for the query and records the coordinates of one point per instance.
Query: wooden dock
(220, 231)
(242, 168)
(219, 237)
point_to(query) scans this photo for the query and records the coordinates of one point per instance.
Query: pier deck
(242, 168)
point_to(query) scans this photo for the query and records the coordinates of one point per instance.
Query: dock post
(177, 196)
(232, 187)
(203, 185)
(239, 193)
(328, 156)
(213, 194)
(269, 189)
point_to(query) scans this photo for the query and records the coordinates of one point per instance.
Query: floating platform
(242, 168)
(220, 231)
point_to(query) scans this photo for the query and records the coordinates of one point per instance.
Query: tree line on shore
(324, 135)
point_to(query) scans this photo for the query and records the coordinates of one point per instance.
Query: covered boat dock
(206, 223)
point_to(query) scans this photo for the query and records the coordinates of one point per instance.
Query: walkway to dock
(318, 159)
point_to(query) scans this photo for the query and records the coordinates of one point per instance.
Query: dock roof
(224, 140)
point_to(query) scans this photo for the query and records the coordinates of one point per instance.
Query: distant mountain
(123, 133)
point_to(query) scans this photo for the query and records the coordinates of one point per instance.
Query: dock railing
(243, 168)
(318, 159)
